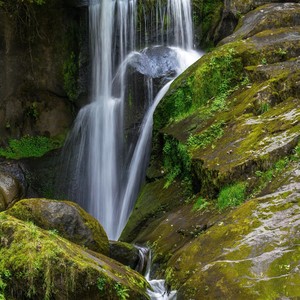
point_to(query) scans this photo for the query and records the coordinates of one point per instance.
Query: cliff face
(40, 48)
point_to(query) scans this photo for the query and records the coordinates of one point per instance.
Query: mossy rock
(262, 18)
(252, 252)
(152, 203)
(39, 264)
(66, 218)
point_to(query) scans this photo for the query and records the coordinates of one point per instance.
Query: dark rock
(124, 253)
(67, 218)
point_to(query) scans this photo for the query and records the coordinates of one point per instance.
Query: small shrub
(231, 196)
(122, 291)
(101, 282)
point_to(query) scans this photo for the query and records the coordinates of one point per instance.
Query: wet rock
(10, 191)
(124, 253)
(66, 218)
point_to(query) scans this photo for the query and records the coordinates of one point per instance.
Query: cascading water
(101, 176)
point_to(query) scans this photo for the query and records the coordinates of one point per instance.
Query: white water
(94, 154)
(158, 289)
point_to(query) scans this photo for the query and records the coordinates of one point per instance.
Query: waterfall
(100, 173)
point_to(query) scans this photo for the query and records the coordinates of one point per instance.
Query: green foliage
(213, 133)
(101, 283)
(70, 73)
(264, 61)
(264, 107)
(177, 161)
(4, 277)
(281, 52)
(219, 77)
(264, 177)
(122, 291)
(232, 195)
(29, 146)
(200, 204)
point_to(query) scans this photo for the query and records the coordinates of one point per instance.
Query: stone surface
(10, 191)
(124, 253)
(33, 55)
(40, 264)
(67, 218)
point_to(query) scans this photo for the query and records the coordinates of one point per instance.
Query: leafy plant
(101, 282)
(232, 195)
(29, 146)
(264, 107)
(214, 132)
(122, 291)
(264, 61)
(200, 204)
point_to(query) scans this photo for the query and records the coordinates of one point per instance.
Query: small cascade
(158, 289)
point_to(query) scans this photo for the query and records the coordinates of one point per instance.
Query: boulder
(125, 253)
(66, 218)
(39, 264)
(10, 191)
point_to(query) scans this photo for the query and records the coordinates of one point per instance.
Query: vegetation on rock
(30, 146)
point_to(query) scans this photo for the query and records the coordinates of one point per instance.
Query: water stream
(103, 169)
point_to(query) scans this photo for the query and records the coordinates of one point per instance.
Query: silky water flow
(98, 173)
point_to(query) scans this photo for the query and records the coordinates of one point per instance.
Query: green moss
(46, 266)
(208, 83)
(202, 140)
(30, 146)
(176, 160)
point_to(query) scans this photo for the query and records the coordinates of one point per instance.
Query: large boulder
(39, 264)
(66, 218)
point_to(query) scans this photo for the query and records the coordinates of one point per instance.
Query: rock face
(40, 264)
(124, 253)
(228, 132)
(67, 218)
(35, 61)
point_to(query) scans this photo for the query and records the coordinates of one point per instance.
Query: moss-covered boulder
(10, 191)
(252, 253)
(262, 18)
(66, 218)
(39, 264)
